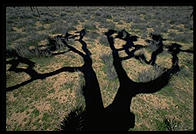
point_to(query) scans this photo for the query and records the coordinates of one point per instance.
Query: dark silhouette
(158, 41)
(174, 49)
(91, 90)
(129, 44)
(16, 59)
(128, 89)
(117, 116)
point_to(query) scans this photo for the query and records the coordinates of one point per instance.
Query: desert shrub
(171, 124)
(161, 126)
(186, 37)
(73, 20)
(25, 15)
(153, 23)
(92, 35)
(70, 41)
(56, 44)
(144, 34)
(44, 12)
(34, 38)
(181, 37)
(191, 48)
(46, 19)
(189, 26)
(103, 40)
(136, 19)
(141, 26)
(147, 17)
(30, 28)
(101, 21)
(120, 22)
(128, 19)
(171, 35)
(109, 68)
(12, 36)
(22, 50)
(90, 25)
(107, 16)
(184, 72)
(75, 121)
(63, 14)
(116, 19)
(163, 28)
(152, 45)
(59, 44)
(62, 27)
(157, 30)
(151, 74)
(180, 29)
(108, 25)
(29, 21)
(98, 13)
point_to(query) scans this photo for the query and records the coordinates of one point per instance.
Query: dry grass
(43, 104)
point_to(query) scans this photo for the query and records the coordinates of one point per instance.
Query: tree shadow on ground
(16, 59)
(117, 116)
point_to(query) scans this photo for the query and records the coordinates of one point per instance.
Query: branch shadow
(17, 59)
(117, 116)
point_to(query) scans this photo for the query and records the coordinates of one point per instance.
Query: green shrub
(76, 120)
(109, 68)
(103, 40)
(151, 74)
(90, 26)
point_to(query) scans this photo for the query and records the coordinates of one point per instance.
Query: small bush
(152, 45)
(103, 40)
(140, 26)
(76, 120)
(98, 13)
(108, 25)
(171, 125)
(90, 26)
(107, 15)
(12, 36)
(46, 19)
(61, 28)
(109, 68)
(92, 35)
(151, 74)
(181, 37)
(22, 50)
(116, 19)
(184, 72)
(136, 19)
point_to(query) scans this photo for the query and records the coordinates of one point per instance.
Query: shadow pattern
(117, 116)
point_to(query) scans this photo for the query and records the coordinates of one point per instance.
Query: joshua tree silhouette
(116, 116)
